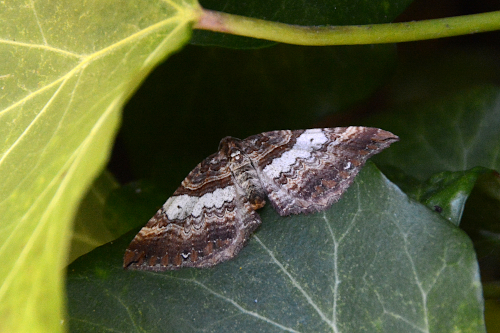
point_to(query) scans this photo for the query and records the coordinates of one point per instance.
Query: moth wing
(307, 171)
(206, 221)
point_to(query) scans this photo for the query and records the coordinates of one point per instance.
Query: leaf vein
(397, 316)
(102, 328)
(239, 307)
(335, 275)
(417, 280)
(71, 164)
(42, 47)
(38, 22)
(129, 313)
(295, 283)
(33, 122)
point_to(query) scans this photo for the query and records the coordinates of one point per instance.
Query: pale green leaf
(92, 226)
(67, 67)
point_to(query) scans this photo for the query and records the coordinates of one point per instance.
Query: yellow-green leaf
(92, 226)
(67, 67)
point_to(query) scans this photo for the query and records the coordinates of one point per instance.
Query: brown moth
(211, 216)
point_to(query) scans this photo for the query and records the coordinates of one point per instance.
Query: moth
(211, 216)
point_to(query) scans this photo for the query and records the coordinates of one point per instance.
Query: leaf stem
(348, 35)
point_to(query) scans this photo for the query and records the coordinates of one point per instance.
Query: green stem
(348, 35)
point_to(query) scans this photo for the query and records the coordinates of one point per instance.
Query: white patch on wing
(178, 207)
(307, 142)
(181, 206)
(351, 131)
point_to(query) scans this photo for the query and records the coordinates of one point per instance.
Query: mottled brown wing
(206, 221)
(307, 171)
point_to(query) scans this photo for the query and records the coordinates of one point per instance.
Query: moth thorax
(245, 176)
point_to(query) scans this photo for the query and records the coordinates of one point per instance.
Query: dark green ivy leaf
(451, 133)
(376, 261)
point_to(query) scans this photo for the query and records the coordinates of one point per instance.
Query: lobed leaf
(67, 68)
(375, 262)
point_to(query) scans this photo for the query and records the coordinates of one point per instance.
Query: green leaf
(375, 262)
(92, 227)
(66, 70)
(452, 133)
(484, 205)
(481, 221)
(446, 192)
(309, 13)
(447, 142)
(108, 211)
